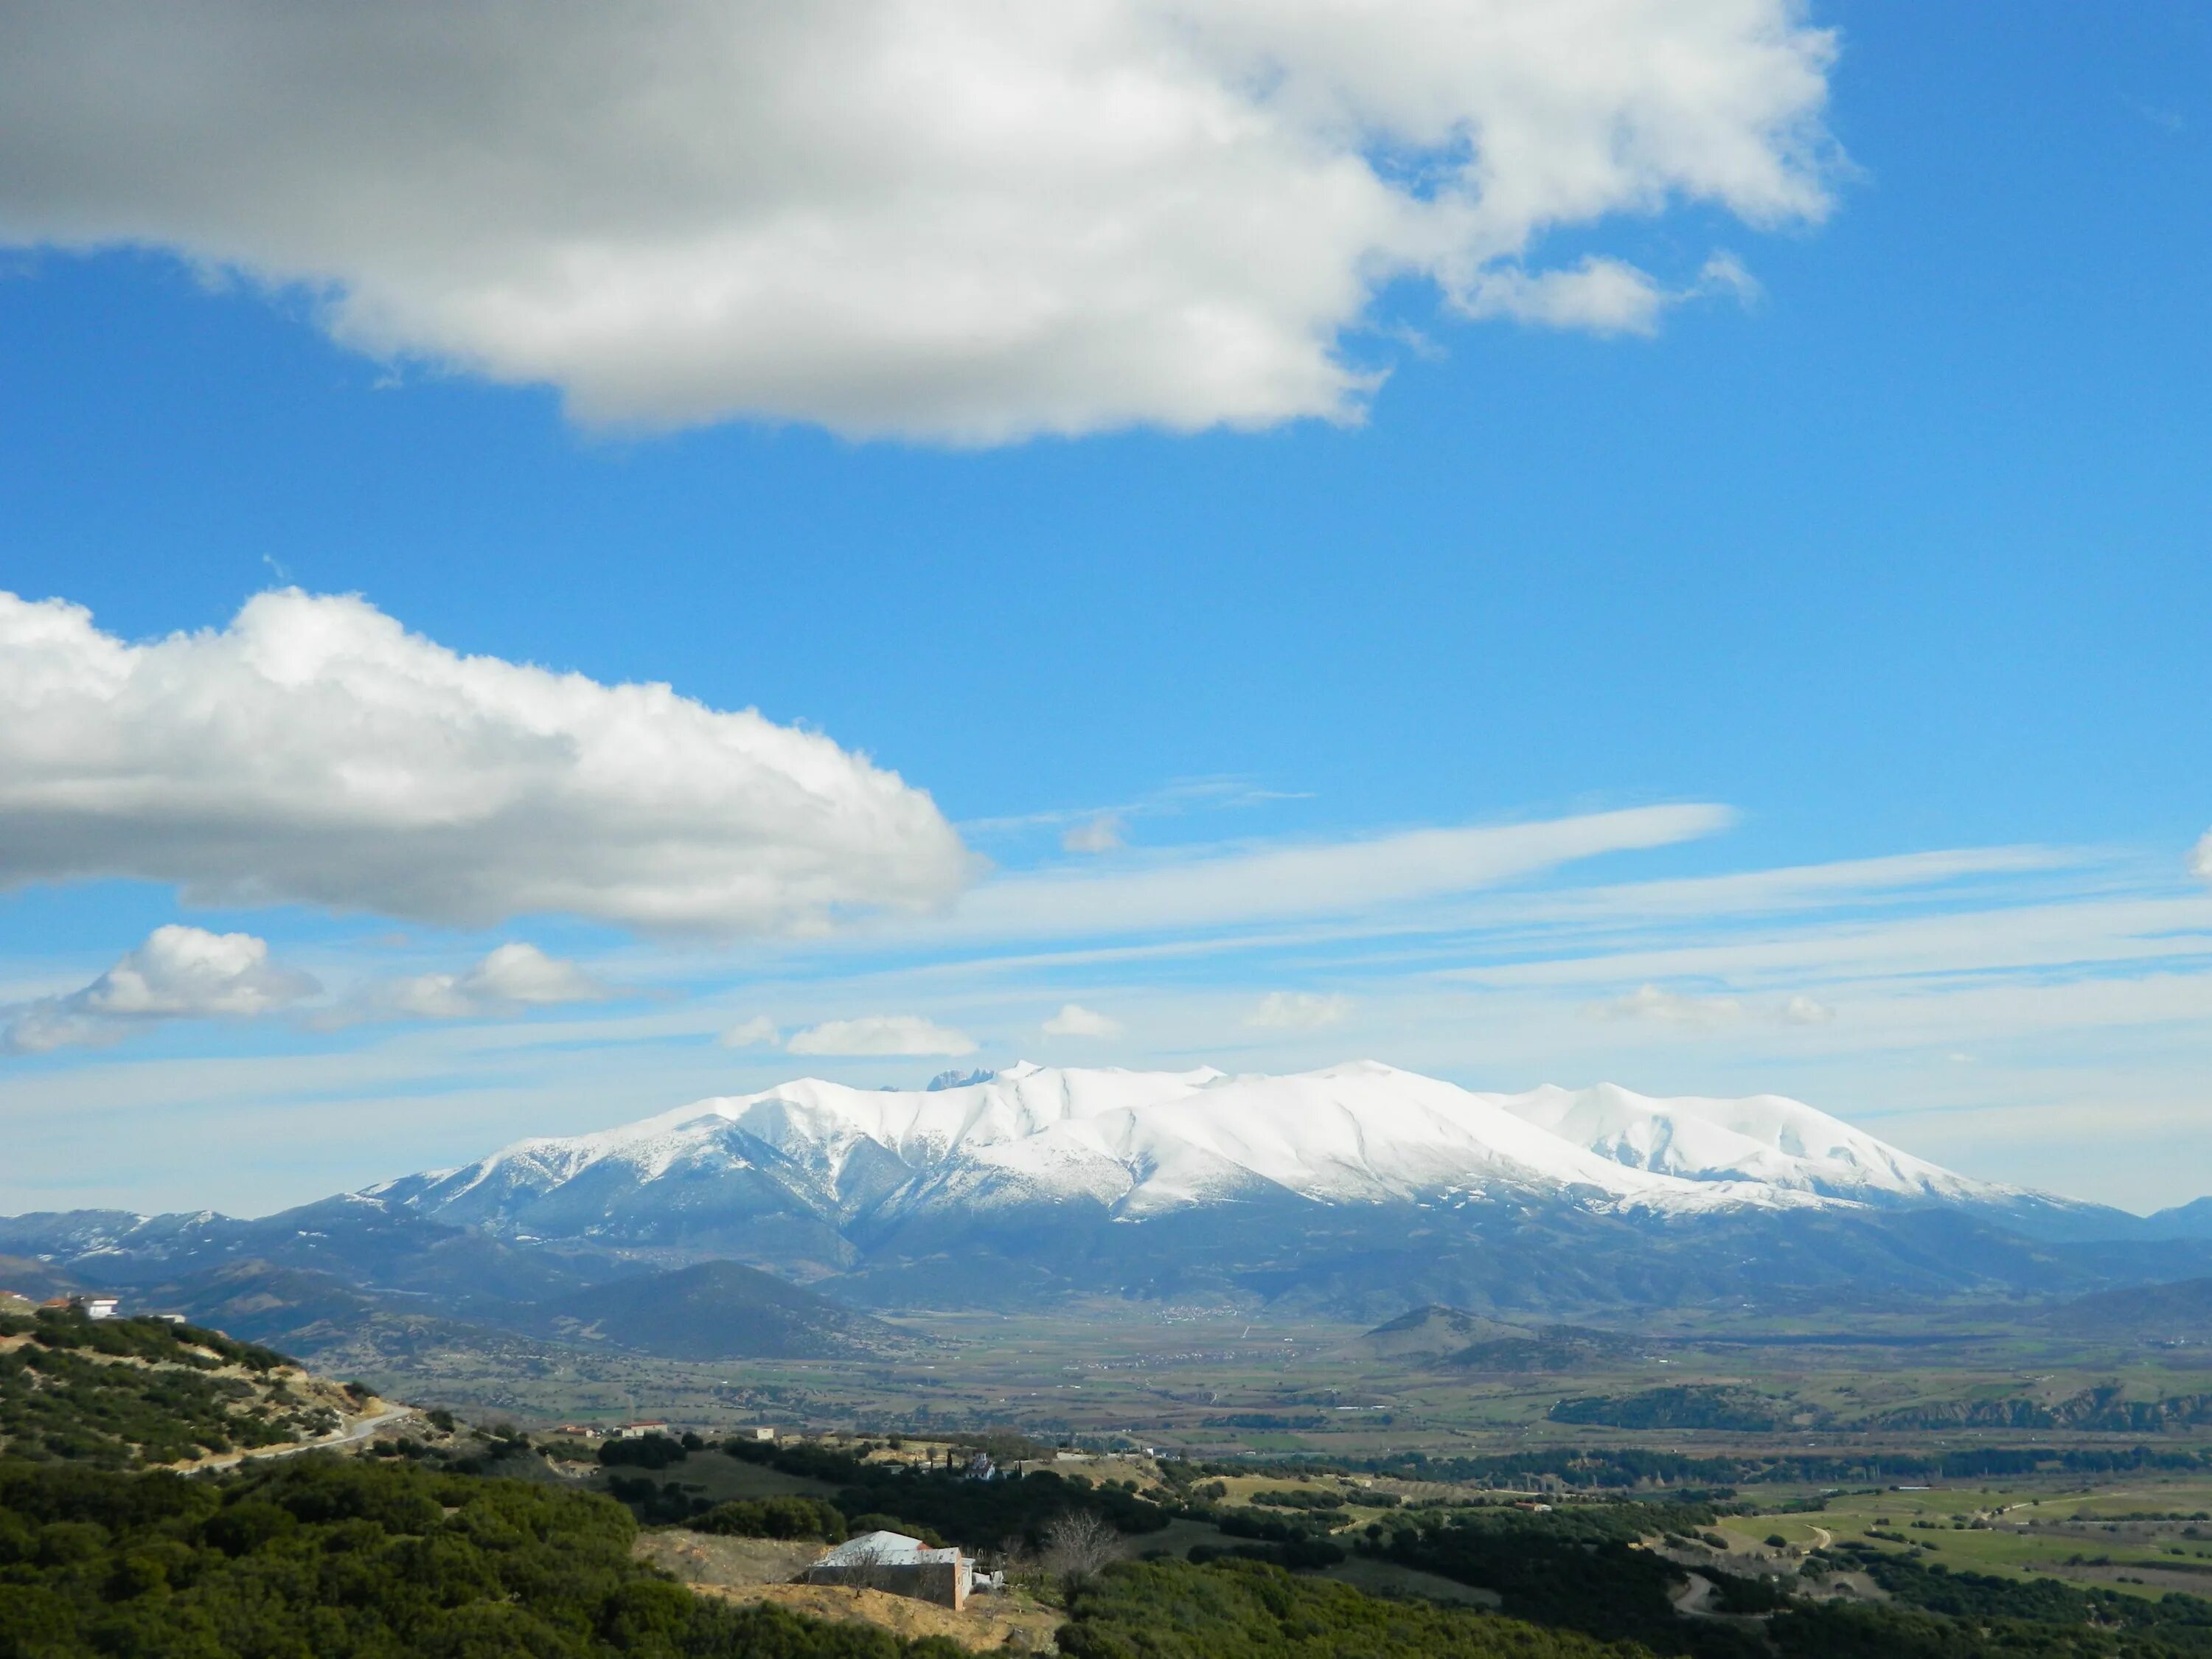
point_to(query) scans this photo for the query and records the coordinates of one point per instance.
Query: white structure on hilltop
(904, 1566)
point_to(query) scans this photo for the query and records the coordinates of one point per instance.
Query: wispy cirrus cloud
(1707, 1014)
(2080, 980)
(1196, 890)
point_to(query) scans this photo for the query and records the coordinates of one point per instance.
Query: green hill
(127, 1392)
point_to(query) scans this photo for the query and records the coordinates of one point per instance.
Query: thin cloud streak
(1246, 886)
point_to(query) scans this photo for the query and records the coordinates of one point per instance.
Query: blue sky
(1896, 567)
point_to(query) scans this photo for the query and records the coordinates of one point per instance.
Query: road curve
(345, 1437)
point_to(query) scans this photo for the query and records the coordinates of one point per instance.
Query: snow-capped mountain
(1360, 1191)
(1138, 1145)
(1768, 1139)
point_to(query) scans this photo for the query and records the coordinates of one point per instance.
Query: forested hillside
(130, 1393)
(357, 1561)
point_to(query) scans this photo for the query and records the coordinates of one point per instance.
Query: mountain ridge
(810, 1155)
(1356, 1191)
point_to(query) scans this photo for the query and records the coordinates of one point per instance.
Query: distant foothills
(781, 1223)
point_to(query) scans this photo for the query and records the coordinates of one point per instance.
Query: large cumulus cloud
(962, 219)
(316, 751)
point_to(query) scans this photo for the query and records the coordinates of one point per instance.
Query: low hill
(34, 1280)
(1431, 1332)
(135, 1393)
(715, 1310)
(2179, 1312)
(263, 1302)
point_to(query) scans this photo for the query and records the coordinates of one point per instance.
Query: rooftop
(893, 1548)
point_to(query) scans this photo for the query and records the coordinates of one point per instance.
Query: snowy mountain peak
(1140, 1145)
(1768, 1139)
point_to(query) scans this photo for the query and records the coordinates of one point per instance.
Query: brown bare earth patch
(701, 1558)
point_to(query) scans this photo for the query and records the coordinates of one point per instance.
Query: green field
(2143, 1536)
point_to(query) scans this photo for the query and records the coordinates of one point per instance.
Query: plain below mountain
(2179, 1314)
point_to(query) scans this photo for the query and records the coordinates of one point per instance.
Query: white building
(902, 1566)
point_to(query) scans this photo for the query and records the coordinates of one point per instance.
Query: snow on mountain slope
(1769, 1139)
(1144, 1143)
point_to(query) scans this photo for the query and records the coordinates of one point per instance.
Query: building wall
(945, 1582)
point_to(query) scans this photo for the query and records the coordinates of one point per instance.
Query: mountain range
(809, 1160)
(1360, 1189)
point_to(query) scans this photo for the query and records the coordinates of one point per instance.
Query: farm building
(902, 1566)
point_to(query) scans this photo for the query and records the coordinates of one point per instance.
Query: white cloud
(514, 977)
(2200, 860)
(1802, 1010)
(1723, 273)
(971, 219)
(179, 973)
(1670, 1008)
(1298, 1010)
(1102, 834)
(1603, 296)
(758, 1032)
(1075, 1020)
(316, 751)
(881, 1033)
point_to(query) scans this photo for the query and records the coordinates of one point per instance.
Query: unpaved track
(346, 1436)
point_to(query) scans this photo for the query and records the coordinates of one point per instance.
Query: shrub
(776, 1517)
(645, 1451)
